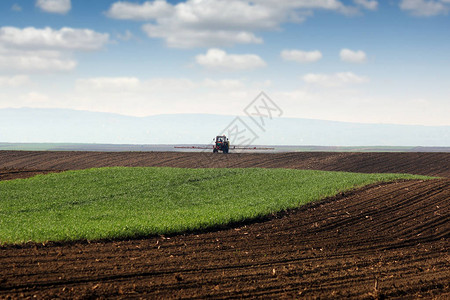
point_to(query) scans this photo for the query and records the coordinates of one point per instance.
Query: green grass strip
(128, 202)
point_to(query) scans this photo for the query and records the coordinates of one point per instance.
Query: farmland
(383, 240)
(124, 202)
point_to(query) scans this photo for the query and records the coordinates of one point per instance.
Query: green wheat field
(119, 202)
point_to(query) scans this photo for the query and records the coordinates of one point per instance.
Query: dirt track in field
(388, 240)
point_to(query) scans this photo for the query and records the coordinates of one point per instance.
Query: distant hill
(32, 125)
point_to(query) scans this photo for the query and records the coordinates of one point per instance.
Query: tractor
(221, 144)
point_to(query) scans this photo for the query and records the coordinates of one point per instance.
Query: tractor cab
(221, 144)
(221, 139)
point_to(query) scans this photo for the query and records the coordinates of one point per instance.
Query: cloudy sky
(358, 60)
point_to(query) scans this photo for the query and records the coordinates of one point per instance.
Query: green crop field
(130, 202)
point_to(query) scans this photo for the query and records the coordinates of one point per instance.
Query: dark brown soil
(436, 164)
(8, 174)
(387, 240)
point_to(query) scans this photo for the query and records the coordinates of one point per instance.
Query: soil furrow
(385, 240)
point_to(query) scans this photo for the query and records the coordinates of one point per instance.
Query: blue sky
(358, 61)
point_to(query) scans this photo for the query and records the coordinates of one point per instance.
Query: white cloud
(174, 84)
(139, 12)
(301, 56)
(219, 59)
(36, 98)
(109, 84)
(212, 22)
(425, 8)
(225, 84)
(217, 23)
(126, 36)
(35, 61)
(54, 6)
(190, 38)
(351, 56)
(367, 4)
(334, 80)
(16, 7)
(141, 97)
(47, 49)
(14, 81)
(220, 14)
(48, 38)
(134, 85)
(334, 5)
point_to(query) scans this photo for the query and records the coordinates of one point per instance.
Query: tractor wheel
(215, 150)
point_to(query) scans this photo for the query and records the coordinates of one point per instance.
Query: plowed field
(436, 164)
(386, 240)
